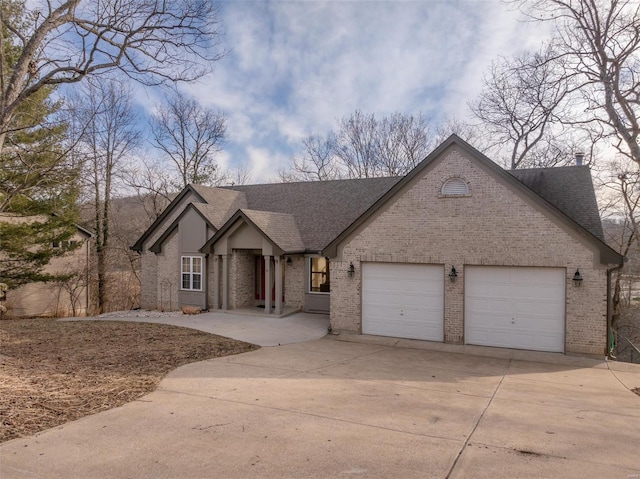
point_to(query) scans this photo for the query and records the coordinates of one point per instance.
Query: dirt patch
(52, 372)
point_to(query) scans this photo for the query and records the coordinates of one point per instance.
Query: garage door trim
(516, 307)
(403, 300)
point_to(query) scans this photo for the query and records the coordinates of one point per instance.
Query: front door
(261, 282)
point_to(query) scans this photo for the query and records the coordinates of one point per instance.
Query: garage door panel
(396, 285)
(535, 292)
(521, 308)
(403, 300)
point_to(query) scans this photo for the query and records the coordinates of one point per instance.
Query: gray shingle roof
(279, 227)
(569, 189)
(221, 203)
(316, 214)
(322, 209)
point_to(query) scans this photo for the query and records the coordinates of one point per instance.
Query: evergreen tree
(38, 180)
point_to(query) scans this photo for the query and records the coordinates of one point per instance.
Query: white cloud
(294, 68)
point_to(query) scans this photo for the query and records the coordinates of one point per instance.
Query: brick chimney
(579, 158)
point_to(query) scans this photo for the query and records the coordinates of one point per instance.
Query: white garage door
(403, 300)
(520, 308)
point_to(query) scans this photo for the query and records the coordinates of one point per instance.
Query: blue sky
(294, 68)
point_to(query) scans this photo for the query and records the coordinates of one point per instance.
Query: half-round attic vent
(455, 187)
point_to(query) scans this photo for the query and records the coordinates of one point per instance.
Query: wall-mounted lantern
(453, 275)
(351, 270)
(289, 261)
(577, 278)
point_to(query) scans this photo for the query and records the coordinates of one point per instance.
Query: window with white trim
(455, 187)
(319, 279)
(192, 273)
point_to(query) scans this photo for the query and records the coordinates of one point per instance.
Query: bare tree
(521, 102)
(363, 147)
(620, 199)
(190, 135)
(317, 162)
(62, 42)
(598, 44)
(461, 128)
(403, 142)
(240, 175)
(110, 137)
(356, 145)
(151, 185)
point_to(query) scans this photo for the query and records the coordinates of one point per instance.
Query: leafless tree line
(365, 146)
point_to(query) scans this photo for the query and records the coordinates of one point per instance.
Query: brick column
(225, 281)
(278, 278)
(216, 282)
(267, 284)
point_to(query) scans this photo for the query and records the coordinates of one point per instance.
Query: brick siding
(494, 225)
(294, 282)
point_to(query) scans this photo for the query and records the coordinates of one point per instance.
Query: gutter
(610, 307)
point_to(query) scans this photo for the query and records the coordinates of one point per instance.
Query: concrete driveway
(259, 329)
(336, 408)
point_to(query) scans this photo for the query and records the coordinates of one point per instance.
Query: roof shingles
(279, 227)
(309, 216)
(322, 209)
(570, 190)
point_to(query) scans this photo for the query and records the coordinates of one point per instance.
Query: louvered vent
(455, 187)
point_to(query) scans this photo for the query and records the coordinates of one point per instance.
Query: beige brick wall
(148, 280)
(294, 282)
(492, 226)
(242, 294)
(168, 275)
(212, 281)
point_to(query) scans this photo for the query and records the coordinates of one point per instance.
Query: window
(65, 244)
(455, 187)
(192, 273)
(319, 279)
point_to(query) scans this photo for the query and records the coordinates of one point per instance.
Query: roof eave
(607, 254)
(157, 246)
(137, 246)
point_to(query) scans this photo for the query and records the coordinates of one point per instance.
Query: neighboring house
(459, 251)
(55, 299)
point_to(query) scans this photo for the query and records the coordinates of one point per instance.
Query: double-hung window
(192, 273)
(319, 280)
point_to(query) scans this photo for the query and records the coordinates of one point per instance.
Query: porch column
(267, 284)
(278, 277)
(216, 282)
(225, 281)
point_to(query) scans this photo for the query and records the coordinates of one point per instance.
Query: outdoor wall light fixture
(289, 260)
(577, 278)
(351, 270)
(453, 275)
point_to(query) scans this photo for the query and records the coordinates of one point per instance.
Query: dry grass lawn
(53, 372)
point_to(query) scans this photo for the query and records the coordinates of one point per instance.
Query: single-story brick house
(459, 251)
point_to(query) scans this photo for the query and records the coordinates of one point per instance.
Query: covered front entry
(264, 282)
(519, 308)
(403, 300)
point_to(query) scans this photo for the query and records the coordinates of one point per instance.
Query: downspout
(87, 279)
(610, 307)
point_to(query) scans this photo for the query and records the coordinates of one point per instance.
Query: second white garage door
(520, 308)
(403, 300)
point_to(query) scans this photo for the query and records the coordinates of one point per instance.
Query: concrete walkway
(337, 408)
(261, 330)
